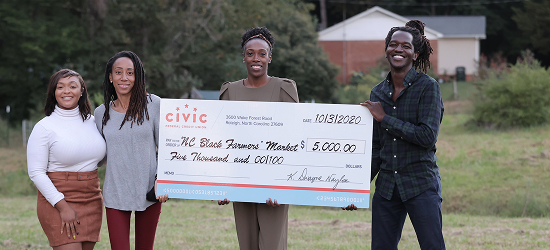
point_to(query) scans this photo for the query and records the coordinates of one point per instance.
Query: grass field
(495, 190)
(205, 225)
(491, 172)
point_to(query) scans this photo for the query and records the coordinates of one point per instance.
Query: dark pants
(146, 222)
(388, 217)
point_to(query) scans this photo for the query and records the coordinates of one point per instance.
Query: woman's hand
(162, 198)
(272, 203)
(69, 219)
(375, 109)
(350, 207)
(223, 202)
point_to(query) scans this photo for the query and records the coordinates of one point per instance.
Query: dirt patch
(545, 154)
(454, 232)
(335, 224)
(474, 153)
(447, 148)
(497, 231)
(10, 244)
(535, 159)
(527, 220)
(223, 219)
(458, 107)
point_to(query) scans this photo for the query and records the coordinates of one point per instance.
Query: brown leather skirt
(82, 192)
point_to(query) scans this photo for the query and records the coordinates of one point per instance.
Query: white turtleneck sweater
(61, 142)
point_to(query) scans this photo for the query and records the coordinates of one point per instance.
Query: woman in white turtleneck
(63, 153)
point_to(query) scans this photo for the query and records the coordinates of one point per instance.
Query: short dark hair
(137, 109)
(261, 33)
(420, 43)
(83, 102)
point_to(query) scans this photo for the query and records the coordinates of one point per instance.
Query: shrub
(518, 98)
(494, 65)
(350, 94)
(361, 84)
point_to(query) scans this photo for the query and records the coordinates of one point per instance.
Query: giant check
(304, 154)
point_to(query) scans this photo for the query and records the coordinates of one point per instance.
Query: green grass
(195, 224)
(491, 172)
(14, 180)
(494, 188)
(484, 172)
(487, 172)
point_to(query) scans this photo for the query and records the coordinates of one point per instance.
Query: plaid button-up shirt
(403, 144)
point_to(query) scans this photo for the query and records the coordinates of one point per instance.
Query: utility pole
(455, 89)
(344, 51)
(323, 15)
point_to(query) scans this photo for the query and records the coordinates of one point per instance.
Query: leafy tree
(183, 44)
(200, 46)
(196, 53)
(197, 43)
(36, 38)
(533, 21)
(298, 55)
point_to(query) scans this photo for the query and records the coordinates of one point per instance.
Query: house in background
(459, 46)
(358, 43)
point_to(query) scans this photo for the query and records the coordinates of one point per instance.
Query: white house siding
(456, 52)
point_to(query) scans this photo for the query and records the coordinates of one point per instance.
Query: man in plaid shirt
(407, 108)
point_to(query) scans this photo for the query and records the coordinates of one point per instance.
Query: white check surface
(303, 154)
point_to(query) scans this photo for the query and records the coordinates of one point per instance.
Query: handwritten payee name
(187, 141)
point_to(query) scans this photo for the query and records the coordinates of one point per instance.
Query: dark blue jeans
(388, 217)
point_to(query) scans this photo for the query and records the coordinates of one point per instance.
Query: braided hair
(258, 33)
(51, 101)
(137, 108)
(420, 43)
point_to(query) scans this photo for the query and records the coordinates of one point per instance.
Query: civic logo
(187, 115)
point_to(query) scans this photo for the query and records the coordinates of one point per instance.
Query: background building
(358, 43)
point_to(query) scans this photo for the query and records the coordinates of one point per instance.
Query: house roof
(455, 26)
(372, 24)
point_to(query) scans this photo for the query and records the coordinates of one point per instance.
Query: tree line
(196, 43)
(183, 44)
